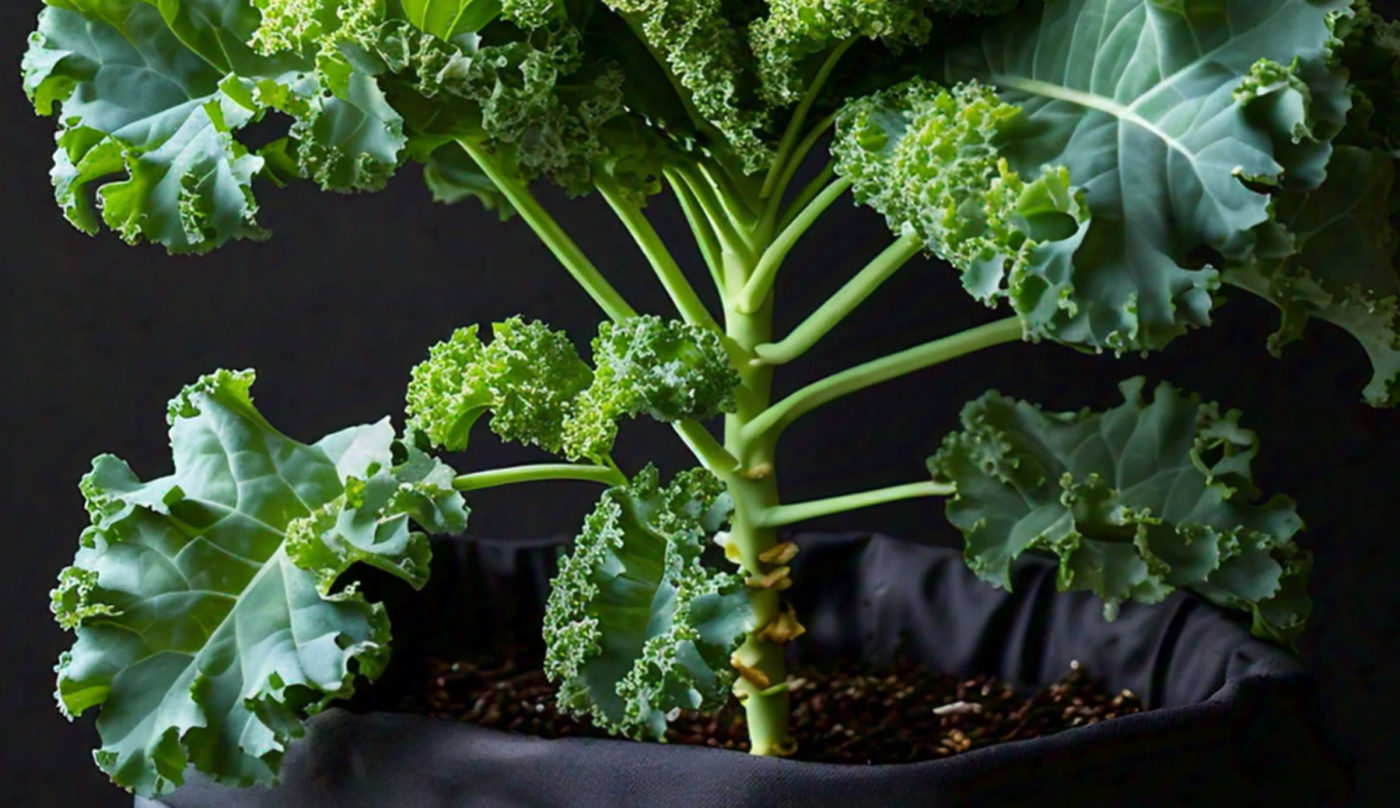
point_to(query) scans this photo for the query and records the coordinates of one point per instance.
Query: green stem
(772, 421)
(790, 514)
(760, 283)
(755, 490)
(539, 472)
(808, 193)
(772, 188)
(704, 233)
(711, 454)
(841, 304)
(682, 294)
(551, 234)
(723, 226)
(795, 161)
(730, 200)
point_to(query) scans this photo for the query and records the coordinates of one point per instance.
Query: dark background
(351, 290)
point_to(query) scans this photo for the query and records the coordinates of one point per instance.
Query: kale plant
(1100, 171)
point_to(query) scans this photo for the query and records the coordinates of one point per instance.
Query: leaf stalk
(680, 291)
(784, 515)
(553, 236)
(776, 418)
(842, 303)
(760, 283)
(538, 472)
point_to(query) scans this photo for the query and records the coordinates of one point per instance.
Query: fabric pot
(1233, 720)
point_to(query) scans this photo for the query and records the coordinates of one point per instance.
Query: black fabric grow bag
(1235, 720)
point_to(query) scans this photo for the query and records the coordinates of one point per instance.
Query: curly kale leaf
(207, 625)
(1139, 102)
(537, 390)
(534, 96)
(1329, 251)
(372, 519)
(927, 158)
(527, 378)
(152, 97)
(636, 627)
(1330, 255)
(667, 369)
(1136, 501)
(1370, 53)
(795, 31)
(703, 48)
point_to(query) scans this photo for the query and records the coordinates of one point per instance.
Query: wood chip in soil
(841, 714)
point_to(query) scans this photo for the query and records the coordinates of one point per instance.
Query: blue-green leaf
(1137, 99)
(152, 98)
(1136, 501)
(207, 621)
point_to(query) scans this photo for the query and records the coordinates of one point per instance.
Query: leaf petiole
(760, 283)
(782, 515)
(682, 294)
(707, 449)
(841, 304)
(539, 472)
(551, 234)
(773, 420)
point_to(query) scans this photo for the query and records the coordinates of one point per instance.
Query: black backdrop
(351, 290)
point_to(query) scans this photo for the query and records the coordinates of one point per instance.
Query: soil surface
(841, 714)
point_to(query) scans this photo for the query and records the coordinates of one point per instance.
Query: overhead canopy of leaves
(538, 391)
(155, 95)
(1135, 501)
(205, 603)
(636, 627)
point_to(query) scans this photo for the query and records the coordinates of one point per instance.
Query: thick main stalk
(755, 491)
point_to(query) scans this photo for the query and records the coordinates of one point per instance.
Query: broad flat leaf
(1136, 98)
(1330, 255)
(152, 96)
(1136, 501)
(136, 101)
(636, 626)
(206, 623)
(445, 19)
